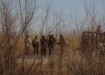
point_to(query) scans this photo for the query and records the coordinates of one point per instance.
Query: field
(72, 62)
(83, 29)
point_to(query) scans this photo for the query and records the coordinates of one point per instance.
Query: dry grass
(73, 62)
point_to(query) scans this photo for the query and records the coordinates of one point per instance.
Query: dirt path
(33, 58)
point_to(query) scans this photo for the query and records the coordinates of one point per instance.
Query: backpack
(35, 43)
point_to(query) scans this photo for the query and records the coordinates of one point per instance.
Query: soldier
(43, 43)
(35, 44)
(51, 43)
(61, 43)
(27, 44)
(98, 36)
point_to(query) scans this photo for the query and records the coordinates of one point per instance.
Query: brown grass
(73, 62)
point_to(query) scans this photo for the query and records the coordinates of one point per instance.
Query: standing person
(61, 43)
(27, 44)
(43, 43)
(54, 40)
(98, 36)
(35, 44)
(51, 44)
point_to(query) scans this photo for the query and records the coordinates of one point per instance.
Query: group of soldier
(43, 44)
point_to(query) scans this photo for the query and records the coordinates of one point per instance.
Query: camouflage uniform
(61, 43)
(35, 44)
(43, 43)
(51, 43)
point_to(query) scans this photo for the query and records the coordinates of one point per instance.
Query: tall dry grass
(73, 62)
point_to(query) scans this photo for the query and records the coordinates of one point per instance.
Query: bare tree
(14, 20)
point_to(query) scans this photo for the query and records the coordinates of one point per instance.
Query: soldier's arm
(29, 40)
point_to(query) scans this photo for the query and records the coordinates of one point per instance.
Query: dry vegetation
(72, 62)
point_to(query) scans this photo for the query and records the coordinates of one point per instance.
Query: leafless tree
(14, 21)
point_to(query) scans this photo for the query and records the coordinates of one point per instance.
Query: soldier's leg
(34, 51)
(52, 51)
(26, 50)
(37, 51)
(44, 51)
(49, 51)
(41, 51)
